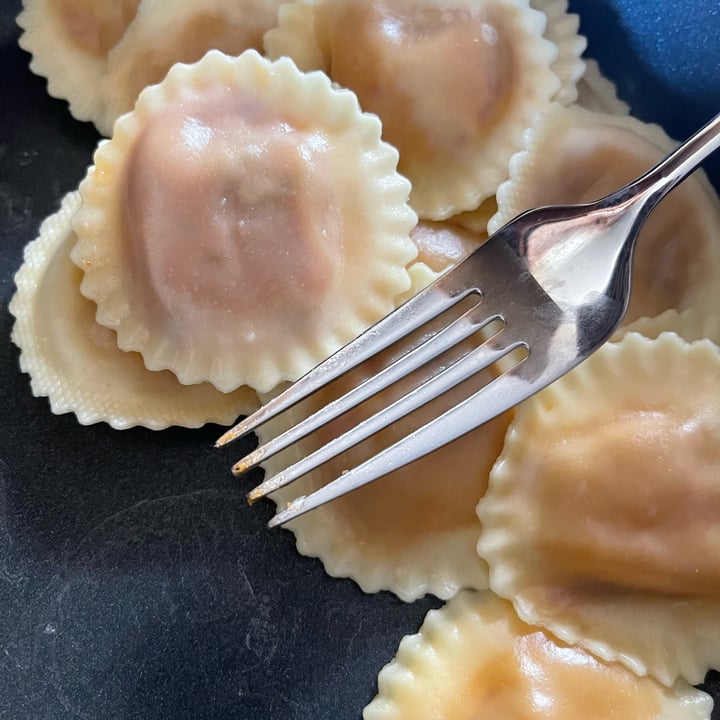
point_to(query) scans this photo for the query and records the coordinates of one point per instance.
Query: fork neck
(648, 190)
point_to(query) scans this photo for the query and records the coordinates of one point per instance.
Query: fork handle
(652, 187)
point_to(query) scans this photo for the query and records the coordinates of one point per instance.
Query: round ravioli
(413, 531)
(602, 519)
(474, 658)
(69, 41)
(169, 31)
(243, 223)
(575, 156)
(408, 62)
(76, 363)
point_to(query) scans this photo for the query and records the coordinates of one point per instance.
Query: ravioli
(440, 246)
(407, 61)
(562, 30)
(69, 41)
(474, 658)
(601, 521)
(596, 92)
(169, 31)
(690, 325)
(477, 220)
(76, 363)
(243, 223)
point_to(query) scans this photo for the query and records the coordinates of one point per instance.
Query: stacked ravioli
(99, 54)
(244, 222)
(252, 214)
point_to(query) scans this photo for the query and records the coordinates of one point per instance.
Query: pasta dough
(407, 61)
(601, 519)
(474, 658)
(76, 363)
(235, 282)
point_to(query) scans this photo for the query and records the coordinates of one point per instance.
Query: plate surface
(134, 580)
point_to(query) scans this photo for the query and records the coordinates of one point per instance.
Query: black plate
(134, 580)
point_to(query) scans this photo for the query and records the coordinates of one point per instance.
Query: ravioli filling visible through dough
(433, 495)
(602, 518)
(77, 364)
(474, 658)
(243, 223)
(625, 493)
(401, 58)
(226, 213)
(627, 518)
(454, 83)
(413, 531)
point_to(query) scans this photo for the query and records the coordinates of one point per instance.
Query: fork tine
(473, 362)
(505, 391)
(510, 388)
(455, 332)
(420, 309)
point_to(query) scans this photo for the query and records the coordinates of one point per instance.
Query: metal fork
(557, 278)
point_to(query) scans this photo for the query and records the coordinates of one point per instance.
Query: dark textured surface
(134, 580)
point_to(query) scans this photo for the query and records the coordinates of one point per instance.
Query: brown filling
(631, 503)
(437, 77)
(435, 494)
(230, 218)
